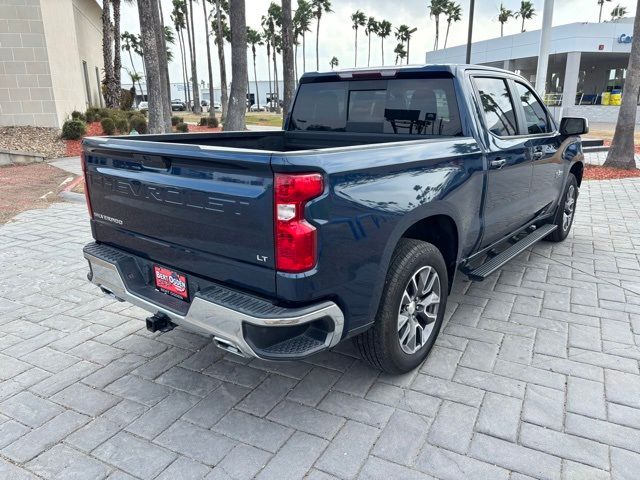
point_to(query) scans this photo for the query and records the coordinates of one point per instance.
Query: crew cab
(351, 222)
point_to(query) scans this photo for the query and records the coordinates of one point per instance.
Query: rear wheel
(565, 211)
(411, 310)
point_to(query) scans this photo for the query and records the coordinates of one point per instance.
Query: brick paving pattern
(536, 375)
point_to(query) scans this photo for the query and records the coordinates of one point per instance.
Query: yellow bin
(616, 99)
(606, 98)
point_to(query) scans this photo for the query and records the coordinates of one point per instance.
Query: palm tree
(400, 53)
(503, 17)
(288, 73)
(117, 60)
(254, 38)
(372, 28)
(436, 8)
(302, 21)
(212, 110)
(601, 3)
(107, 56)
(453, 12)
(130, 40)
(178, 19)
(334, 62)
(197, 108)
(526, 12)
(384, 30)
(154, 57)
(319, 7)
(403, 34)
(358, 19)
(237, 101)
(221, 34)
(408, 33)
(266, 34)
(618, 12)
(622, 151)
(271, 22)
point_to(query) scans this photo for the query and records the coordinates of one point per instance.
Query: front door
(508, 159)
(544, 144)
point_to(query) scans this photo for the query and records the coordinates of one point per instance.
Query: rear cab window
(418, 106)
(497, 106)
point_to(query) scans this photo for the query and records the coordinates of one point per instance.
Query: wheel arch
(578, 170)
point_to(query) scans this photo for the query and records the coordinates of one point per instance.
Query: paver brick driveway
(536, 374)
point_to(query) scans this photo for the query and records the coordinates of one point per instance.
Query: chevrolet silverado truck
(351, 222)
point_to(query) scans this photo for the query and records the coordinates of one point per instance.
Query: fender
(438, 207)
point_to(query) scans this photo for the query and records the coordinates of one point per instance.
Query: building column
(508, 65)
(571, 75)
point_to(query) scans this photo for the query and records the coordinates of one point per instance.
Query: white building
(586, 59)
(50, 60)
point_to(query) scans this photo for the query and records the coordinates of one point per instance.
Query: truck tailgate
(204, 211)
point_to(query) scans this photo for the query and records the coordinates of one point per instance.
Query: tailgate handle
(156, 162)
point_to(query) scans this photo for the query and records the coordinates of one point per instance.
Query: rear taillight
(296, 239)
(83, 161)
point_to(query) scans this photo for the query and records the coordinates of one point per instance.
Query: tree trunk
(269, 69)
(255, 75)
(369, 54)
(117, 59)
(164, 66)
(107, 55)
(600, 16)
(317, 42)
(212, 111)
(224, 96)
(183, 63)
(287, 57)
(237, 104)
(189, 43)
(446, 36)
(501, 29)
(275, 77)
(304, 54)
(408, 50)
(435, 46)
(149, 25)
(522, 30)
(355, 60)
(197, 108)
(382, 45)
(295, 62)
(622, 151)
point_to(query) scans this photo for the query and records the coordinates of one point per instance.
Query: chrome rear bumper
(223, 313)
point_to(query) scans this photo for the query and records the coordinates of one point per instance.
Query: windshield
(425, 106)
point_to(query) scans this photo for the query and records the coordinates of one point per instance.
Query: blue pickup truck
(351, 222)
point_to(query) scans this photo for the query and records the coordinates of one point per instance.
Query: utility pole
(472, 5)
(545, 44)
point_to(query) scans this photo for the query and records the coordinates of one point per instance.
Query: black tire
(380, 345)
(560, 233)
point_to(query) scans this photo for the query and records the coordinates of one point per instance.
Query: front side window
(425, 106)
(534, 113)
(497, 105)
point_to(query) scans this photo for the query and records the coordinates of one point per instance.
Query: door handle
(498, 163)
(538, 154)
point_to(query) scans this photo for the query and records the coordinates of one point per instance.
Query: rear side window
(425, 106)
(497, 105)
(534, 113)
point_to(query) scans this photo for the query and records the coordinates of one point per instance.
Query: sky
(337, 37)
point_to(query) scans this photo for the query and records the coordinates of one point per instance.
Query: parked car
(352, 222)
(178, 105)
(217, 106)
(143, 106)
(256, 108)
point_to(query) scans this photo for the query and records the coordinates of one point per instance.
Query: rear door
(543, 144)
(509, 164)
(200, 210)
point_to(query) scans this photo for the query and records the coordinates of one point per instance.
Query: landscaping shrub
(73, 129)
(182, 127)
(211, 122)
(92, 115)
(108, 126)
(103, 113)
(76, 115)
(122, 125)
(138, 123)
(176, 120)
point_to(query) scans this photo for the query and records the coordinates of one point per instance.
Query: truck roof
(390, 71)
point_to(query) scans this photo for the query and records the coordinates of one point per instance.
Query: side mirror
(570, 126)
